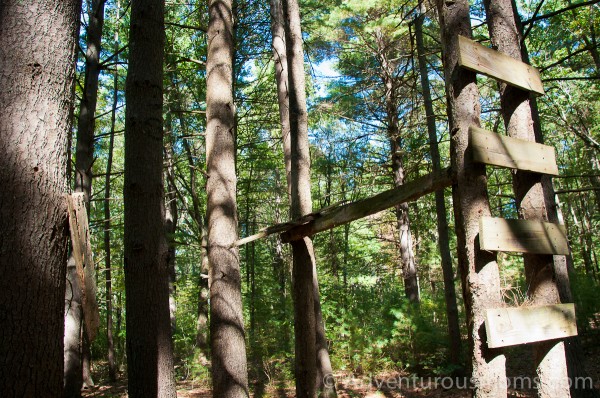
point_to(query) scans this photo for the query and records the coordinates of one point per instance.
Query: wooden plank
(332, 216)
(512, 326)
(82, 253)
(494, 149)
(492, 63)
(523, 236)
(362, 208)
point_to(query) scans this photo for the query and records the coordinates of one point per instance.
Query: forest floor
(386, 385)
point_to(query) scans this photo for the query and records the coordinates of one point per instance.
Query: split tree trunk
(149, 344)
(37, 49)
(440, 204)
(229, 368)
(313, 365)
(479, 269)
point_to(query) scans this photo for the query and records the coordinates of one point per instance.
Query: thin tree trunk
(440, 204)
(202, 326)
(203, 290)
(197, 215)
(171, 217)
(312, 363)
(149, 344)
(229, 368)
(539, 269)
(37, 49)
(279, 267)
(479, 269)
(407, 257)
(112, 366)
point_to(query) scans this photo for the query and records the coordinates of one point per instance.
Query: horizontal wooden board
(492, 63)
(497, 150)
(523, 236)
(512, 326)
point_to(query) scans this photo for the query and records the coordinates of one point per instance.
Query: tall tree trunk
(229, 368)
(407, 257)
(281, 78)
(37, 49)
(506, 35)
(440, 204)
(479, 269)
(112, 365)
(149, 345)
(312, 363)
(112, 368)
(75, 348)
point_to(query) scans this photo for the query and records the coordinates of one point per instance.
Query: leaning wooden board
(82, 253)
(511, 326)
(478, 58)
(523, 236)
(497, 150)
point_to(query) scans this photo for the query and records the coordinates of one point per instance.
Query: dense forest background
(355, 50)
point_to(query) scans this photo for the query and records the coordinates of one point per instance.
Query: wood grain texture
(523, 236)
(512, 326)
(82, 252)
(478, 58)
(497, 150)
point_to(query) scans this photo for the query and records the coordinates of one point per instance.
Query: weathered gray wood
(82, 252)
(333, 216)
(511, 326)
(492, 63)
(362, 208)
(497, 150)
(523, 236)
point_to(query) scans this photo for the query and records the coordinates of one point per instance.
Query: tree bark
(506, 35)
(479, 269)
(440, 204)
(149, 345)
(37, 49)
(229, 368)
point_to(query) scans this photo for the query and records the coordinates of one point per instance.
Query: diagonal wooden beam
(353, 211)
(336, 215)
